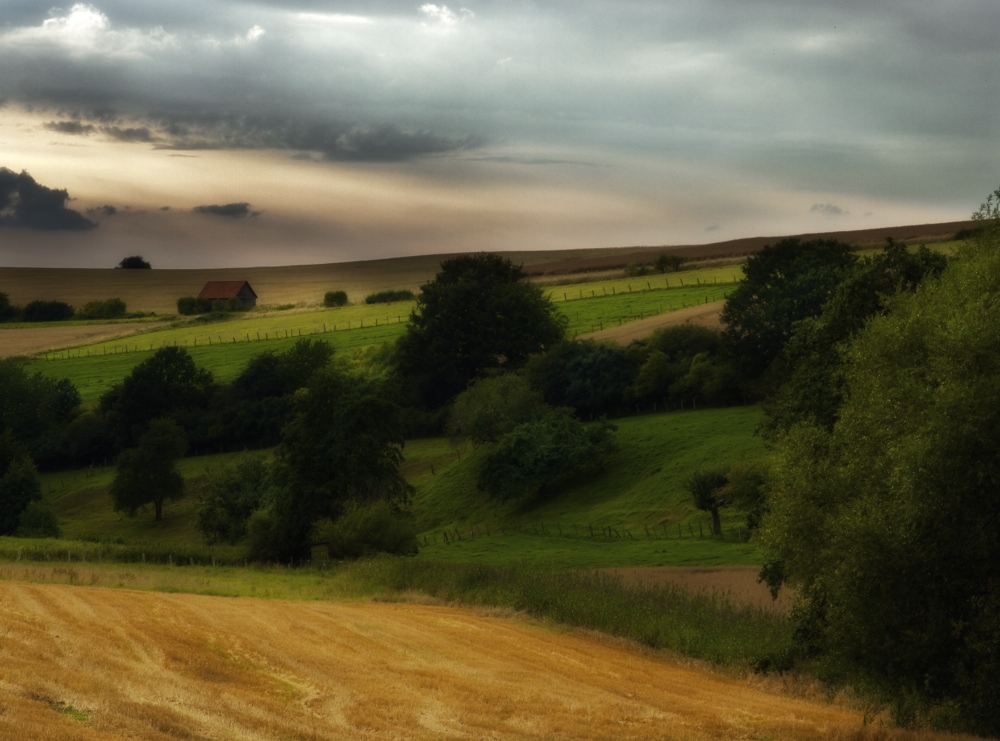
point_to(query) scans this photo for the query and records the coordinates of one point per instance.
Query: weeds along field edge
(708, 627)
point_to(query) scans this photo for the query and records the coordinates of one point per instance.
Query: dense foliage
(147, 473)
(886, 522)
(784, 283)
(479, 314)
(47, 311)
(332, 299)
(112, 308)
(18, 482)
(388, 297)
(134, 262)
(591, 377)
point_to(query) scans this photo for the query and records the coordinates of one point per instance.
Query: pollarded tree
(479, 313)
(147, 474)
(707, 489)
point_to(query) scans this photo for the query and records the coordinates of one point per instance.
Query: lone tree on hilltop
(147, 474)
(478, 314)
(134, 262)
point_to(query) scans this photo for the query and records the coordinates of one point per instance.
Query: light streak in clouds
(407, 125)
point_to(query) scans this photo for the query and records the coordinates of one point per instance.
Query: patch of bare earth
(737, 583)
(31, 340)
(705, 315)
(89, 663)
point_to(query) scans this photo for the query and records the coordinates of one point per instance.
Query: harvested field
(31, 340)
(88, 663)
(158, 290)
(707, 315)
(737, 583)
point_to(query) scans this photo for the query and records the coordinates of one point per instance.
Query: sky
(268, 132)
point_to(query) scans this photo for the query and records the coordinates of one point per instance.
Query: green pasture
(225, 347)
(634, 512)
(723, 275)
(640, 496)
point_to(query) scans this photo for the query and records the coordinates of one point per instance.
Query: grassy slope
(643, 485)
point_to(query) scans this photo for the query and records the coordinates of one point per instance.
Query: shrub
(387, 297)
(378, 527)
(337, 298)
(112, 308)
(7, 312)
(492, 407)
(538, 453)
(190, 305)
(47, 311)
(37, 521)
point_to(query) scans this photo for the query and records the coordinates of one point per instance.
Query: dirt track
(706, 315)
(88, 663)
(28, 341)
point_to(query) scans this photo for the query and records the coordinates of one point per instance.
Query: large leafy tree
(589, 376)
(479, 313)
(814, 388)
(343, 446)
(167, 383)
(147, 474)
(784, 283)
(887, 522)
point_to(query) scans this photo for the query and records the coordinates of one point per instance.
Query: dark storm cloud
(895, 98)
(229, 210)
(29, 205)
(70, 127)
(134, 134)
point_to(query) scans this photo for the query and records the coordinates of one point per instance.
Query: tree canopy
(147, 474)
(134, 262)
(886, 522)
(784, 284)
(479, 313)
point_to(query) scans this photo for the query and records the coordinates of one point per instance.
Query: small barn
(224, 290)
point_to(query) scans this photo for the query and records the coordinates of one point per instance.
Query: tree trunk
(716, 522)
(158, 505)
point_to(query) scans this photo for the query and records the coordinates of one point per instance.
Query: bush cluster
(388, 297)
(332, 299)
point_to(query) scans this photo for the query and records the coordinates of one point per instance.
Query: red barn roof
(224, 289)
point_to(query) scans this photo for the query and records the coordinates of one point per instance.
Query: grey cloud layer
(839, 93)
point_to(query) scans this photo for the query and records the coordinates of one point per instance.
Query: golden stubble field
(96, 663)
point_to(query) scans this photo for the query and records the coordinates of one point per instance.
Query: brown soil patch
(89, 663)
(738, 583)
(706, 315)
(28, 341)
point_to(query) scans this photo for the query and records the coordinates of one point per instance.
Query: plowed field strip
(87, 663)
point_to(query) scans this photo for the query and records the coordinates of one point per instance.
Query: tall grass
(701, 626)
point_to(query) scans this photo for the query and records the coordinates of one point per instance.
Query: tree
(784, 283)
(163, 384)
(147, 474)
(229, 495)
(479, 314)
(7, 311)
(536, 454)
(886, 522)
(18, 482)
(707, 490)
(47, 311)
(112, 308)
(344, 445)
(134, 262)
(667, 263)
(33, 407)
(491, 407)
(589, 376)
(814, 388)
